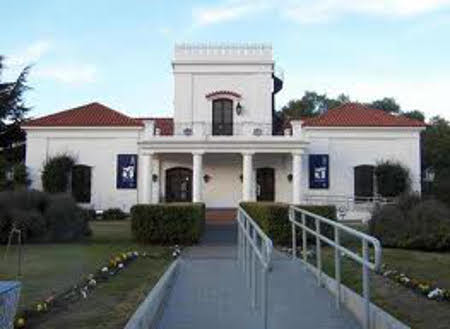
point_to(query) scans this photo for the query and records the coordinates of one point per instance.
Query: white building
(221, 145)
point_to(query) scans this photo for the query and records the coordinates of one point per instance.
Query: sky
(119, 52)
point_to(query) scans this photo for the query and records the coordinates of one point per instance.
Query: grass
(409, 307)
(50, 268)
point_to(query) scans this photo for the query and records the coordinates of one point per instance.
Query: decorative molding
(223, 93)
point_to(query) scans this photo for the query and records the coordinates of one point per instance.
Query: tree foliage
(12, 112)
(387, 104)
(310, 105)
(57, 173)
(393, 179)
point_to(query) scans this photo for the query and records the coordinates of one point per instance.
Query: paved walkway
(210, 292)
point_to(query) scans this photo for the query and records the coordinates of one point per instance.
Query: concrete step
(220, 216)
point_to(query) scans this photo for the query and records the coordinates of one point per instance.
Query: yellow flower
(20, 323)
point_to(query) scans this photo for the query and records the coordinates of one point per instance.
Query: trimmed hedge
(412, 223)
(168, 223)
(42, 217)
(273, 218)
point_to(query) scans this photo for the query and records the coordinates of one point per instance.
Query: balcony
(207, 129)
(222, 138)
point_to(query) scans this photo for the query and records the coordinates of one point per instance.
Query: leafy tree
(310, 105)
(393, 179)
(437, 144)
(415, 114)
(12, 110)
(56, 174)
(387, 104)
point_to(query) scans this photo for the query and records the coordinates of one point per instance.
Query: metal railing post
(253, 279)
(366, 284)
(318, 253)
(294, 235)
(304, 239)
(337, 266)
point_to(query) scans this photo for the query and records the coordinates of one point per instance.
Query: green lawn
(413, 309)
(50, 268)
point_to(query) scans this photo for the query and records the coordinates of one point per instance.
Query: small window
(364, 181)
(81, 183)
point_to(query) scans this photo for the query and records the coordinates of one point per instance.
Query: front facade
(221, 146)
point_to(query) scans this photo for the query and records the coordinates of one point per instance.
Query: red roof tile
(164, 124)
(90, 115)
(359, 115)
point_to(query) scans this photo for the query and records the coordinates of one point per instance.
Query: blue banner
(126, 171)
(319, 171)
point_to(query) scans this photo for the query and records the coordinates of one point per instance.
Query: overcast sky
(119, 52)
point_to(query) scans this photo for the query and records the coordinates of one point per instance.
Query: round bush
(393, 179)
(41, 217)
(413, 224)
(56, 173)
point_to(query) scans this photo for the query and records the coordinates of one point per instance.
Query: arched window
(364, 177)
(179, 185)
(222, 117)
(81, 183)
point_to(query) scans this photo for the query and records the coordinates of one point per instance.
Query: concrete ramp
(210, 293)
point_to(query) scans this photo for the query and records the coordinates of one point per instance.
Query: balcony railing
(221, 129)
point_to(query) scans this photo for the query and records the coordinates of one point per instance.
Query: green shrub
(20, 176)
(56, 173)
(393, 179)
(273, 218)
(168, 223)
(412, 224)
(89, 214)
(441, 186)
(114, 214)
(41, 217)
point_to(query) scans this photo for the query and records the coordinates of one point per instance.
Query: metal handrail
(364, 260)
(253, 245)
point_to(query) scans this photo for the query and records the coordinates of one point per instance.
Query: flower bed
(423, 288)
(81, 290)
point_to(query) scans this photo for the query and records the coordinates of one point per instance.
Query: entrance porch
(220, 180)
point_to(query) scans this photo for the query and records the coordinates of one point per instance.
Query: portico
(219, 175)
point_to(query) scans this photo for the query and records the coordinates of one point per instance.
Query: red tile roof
(164, 124)
(90, 115)
(359, 115)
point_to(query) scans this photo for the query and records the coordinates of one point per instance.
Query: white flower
(92, 283)
(435, 293)
(105, 269)
(174, 254)
(135, 253)
(120, 265)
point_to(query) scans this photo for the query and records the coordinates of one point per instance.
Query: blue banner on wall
(319, 171)
(126, 171)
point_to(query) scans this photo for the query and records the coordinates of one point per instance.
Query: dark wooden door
(179, 185)
(265, 184)
(222, 117)
(364, 181)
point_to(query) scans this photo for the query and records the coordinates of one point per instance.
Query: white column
(146, 179)
(156, 185)
(247, 173)
(197, 176)
(296, 177)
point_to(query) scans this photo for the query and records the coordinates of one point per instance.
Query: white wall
(197, 75)
(97, 148)
(350, 147)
